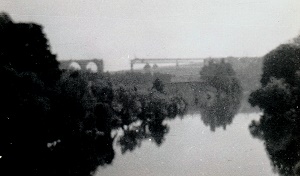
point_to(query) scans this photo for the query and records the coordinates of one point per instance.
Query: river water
(191, 148)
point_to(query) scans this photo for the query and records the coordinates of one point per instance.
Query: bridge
(95, 65)
(174, 60)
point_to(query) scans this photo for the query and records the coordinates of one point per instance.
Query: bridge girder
(164, 60)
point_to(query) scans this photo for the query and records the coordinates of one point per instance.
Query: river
(191, 148)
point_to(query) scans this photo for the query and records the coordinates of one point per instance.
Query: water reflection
(281, 143)
(191, 148)
(133, 137)
(150, 123)
(220, 111)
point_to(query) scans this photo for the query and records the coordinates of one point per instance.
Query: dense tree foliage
(24, 48)
(221, 76)
(158, 85)
(279, 98)
(28, 69)
(282, 62)
(219, 107)
(80, 119)
(61, 123)
(138, 80)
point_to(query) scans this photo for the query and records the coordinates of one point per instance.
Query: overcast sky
(119, 30)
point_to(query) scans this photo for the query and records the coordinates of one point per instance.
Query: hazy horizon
(118, 31)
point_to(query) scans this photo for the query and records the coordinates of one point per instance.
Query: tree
(81, 120)
(59, 123)
(24, 48)
(282, 62)
(147, 67)
(279, 126)
(28, 72)
(221, 76)
(158, 85)
(278, 97)
(275, 97)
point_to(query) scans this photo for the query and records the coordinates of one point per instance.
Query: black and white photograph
(150, 87)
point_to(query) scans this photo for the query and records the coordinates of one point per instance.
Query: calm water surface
(191, 148)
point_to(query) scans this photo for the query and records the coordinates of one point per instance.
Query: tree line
(278, 98)
(61, 122)
(223, 99)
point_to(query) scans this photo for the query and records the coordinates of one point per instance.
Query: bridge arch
(94, 65)
(74, 66)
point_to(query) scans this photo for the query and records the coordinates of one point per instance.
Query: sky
(119, 30)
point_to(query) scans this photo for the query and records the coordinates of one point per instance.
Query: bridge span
(82, 64)
(177, 61)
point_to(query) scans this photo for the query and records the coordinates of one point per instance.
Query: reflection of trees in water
(281, 141)
(279, 98)
(220, 112)
(132, 138)
(221, 103)
(155, 108)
